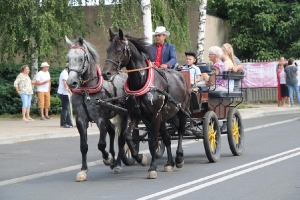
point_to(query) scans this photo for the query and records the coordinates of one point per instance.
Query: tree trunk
(34, 70)
(147, 22)
(201, 31)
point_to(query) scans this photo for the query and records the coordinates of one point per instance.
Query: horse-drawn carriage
(212, 113)
(161, 98)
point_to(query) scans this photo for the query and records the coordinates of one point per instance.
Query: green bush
(11, 102)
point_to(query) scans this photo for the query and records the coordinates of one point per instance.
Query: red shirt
(158, 60)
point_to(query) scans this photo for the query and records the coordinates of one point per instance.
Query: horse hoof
(108, 161)
(168, 169)
(144, 160)
(81, 176)
(152, 175)
(117, 170)
(180, 165)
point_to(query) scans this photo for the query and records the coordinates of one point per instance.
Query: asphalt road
(268, 169)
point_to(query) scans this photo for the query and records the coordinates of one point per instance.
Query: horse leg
(116, 167)
(169, 167)
(82, 126)
(131, 124)
(102, 125)
(155, 122)
(111, 132)
(181, 129)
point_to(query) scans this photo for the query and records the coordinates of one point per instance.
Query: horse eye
(118, 52)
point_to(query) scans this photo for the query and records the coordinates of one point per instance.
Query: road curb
(270, 113)
(25, 138)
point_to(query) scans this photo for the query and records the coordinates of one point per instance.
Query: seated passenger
(195, 73)
(215, 82)
(229, 59)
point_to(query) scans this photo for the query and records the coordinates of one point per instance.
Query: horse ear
(68, 41)
(80, 40)
(111, 35)
(121, 35)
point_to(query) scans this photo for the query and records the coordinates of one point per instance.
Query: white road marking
(217, 174)
(49, 173)
(219, 180)
(93, 163)
(272, 124)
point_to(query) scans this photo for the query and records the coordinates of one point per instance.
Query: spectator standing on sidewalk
(23, 85)
(43, 85)
(64, 93)
(291, 73)
(283, 92)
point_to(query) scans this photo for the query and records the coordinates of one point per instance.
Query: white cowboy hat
(45, 64)
(161, 30)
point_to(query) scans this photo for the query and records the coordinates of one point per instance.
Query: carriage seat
(225, 94)
(233, 75)
(204, 68)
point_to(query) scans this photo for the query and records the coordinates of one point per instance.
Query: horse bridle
(79, 72)
(126, 49)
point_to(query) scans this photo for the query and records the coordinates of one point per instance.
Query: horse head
(82, 58)
(118, 54)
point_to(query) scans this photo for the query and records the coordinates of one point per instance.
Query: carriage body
(212, 113)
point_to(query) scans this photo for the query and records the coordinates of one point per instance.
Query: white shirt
(41, 77)
(194, 72)
(282, 79)
(63, 77)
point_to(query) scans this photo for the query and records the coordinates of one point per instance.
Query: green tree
(40, 22)
(173, 14)
(262, 29)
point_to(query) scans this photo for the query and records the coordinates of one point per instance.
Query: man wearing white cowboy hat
(164, 54)
(43, 82)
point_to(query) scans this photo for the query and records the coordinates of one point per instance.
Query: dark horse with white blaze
(87, 84)
(154, 96)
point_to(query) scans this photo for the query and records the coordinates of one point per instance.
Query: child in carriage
(195, 73)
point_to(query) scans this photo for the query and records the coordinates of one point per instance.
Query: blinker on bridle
(126, 49)
(79, 72)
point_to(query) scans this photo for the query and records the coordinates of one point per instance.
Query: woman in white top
(23, 85)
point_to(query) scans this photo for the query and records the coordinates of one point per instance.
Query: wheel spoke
(212, 137)
(235, 130)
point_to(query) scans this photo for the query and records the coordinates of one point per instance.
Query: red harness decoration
(91, 89)
(147, 86)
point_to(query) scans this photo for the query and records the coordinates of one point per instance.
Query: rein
(135, 70)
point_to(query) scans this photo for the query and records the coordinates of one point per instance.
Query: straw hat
(45, 64)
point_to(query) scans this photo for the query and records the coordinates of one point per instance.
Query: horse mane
(141, 44)
(91, 49)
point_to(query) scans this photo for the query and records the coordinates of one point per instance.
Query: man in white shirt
(63, 93)
(43, 85)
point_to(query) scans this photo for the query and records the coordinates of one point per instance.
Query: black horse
(87, 84)
(154, 96)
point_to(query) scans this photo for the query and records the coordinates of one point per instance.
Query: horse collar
(91, 89)
(146, 88)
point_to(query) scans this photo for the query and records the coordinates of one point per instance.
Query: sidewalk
(15, 130)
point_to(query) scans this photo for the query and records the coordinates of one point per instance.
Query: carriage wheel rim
(212, 137)
(235, 131)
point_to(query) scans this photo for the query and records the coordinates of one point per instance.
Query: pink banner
(257, 75)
